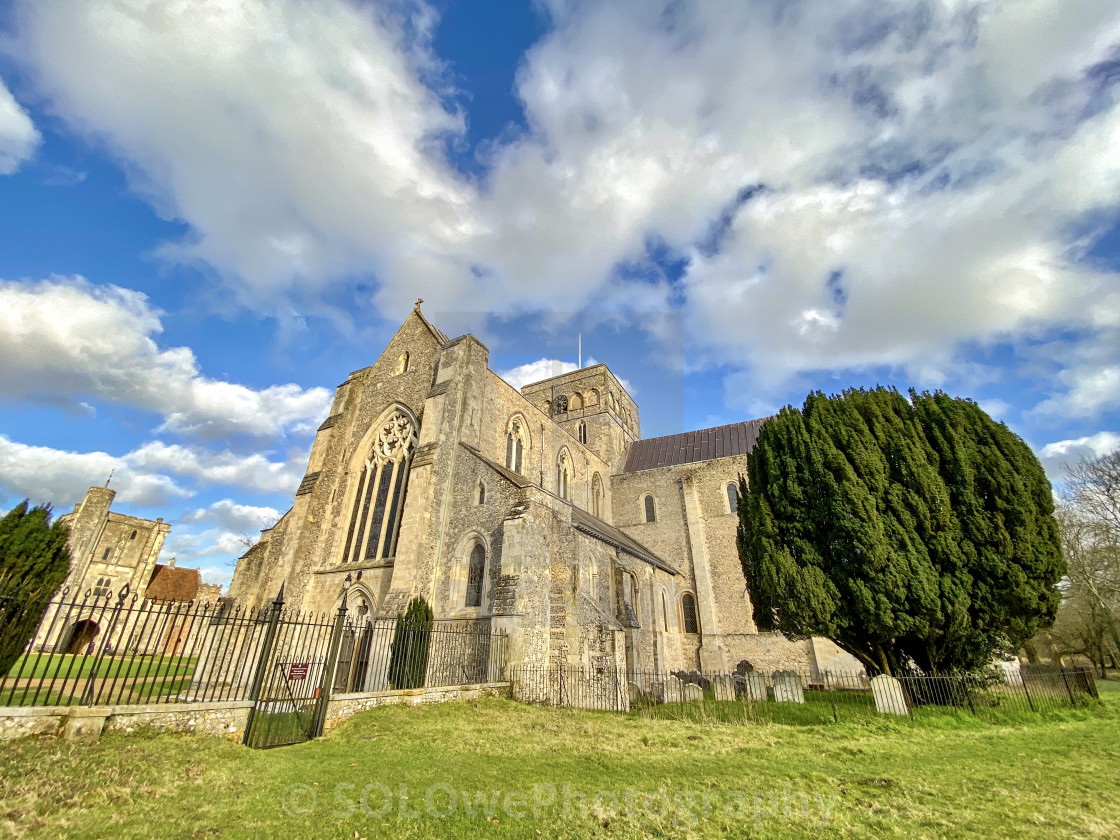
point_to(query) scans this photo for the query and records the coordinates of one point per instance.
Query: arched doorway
(81, 636)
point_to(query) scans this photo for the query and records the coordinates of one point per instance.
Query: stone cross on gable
(418, 302)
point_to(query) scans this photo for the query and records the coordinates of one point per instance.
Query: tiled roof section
(517, 480)
(308, 483)
(584, 521)
(688, 447)
(169, 583)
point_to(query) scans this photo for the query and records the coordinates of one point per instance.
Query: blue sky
(210, 213)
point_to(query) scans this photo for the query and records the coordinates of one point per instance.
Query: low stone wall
(342, 706)
(226, 719)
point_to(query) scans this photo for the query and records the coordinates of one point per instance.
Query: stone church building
(542, 511)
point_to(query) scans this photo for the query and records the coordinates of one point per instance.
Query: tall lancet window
(375, 521)
(515, 446)
(474, 576)
(563, 475)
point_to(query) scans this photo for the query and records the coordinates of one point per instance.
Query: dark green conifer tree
(911, 532)
(34, 560)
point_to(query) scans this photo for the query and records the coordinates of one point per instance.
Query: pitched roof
(516, 479)
(688, 447)
(588, 524)
(169, 583)
(584, 521)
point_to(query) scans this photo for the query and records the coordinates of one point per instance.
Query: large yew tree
(34, 560)
(912, 532)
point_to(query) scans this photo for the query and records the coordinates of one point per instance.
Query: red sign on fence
(298, 670)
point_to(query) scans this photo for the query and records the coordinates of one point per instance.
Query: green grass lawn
(67, 666)
(949, 777)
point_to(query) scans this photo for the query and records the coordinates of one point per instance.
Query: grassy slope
(1051, 778)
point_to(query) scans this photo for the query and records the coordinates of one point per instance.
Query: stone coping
(420, 692)
(109, 711)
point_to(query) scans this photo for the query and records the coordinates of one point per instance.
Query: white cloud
(930, 168)
(62, 477)
(145, 476)
(537, 371)
(234, 517)
(65, 339)
(18, 136)
(1054, 456)
(254, 471)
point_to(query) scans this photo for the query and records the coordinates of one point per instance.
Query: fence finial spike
(280, 595)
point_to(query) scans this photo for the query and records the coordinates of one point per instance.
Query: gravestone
(787, 687)
(692, 693)
(723, 687)
(889, 698)
(635, 692)
(755, 685)
(671, 691)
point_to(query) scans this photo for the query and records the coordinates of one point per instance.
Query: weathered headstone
(723, 687)
(889, 698)
(671, 691)
(692, 693)
(635, 692)
(787, 687)
(756, 687)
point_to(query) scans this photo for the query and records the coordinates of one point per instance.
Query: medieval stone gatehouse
(541, 511)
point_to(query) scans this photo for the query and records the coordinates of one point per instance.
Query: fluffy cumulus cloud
(537, 371)
(62, 477)
(151, 476)
(18, 136)
(1054, 456)
(847, 184)
(232, 516)
(65, 340)
(211, 537)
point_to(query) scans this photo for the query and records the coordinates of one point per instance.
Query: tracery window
(474, 576)
(515, 445)
(375, 522)
(688, 613)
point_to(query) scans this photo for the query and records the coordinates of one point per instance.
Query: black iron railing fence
(802, 696)
(120, 650)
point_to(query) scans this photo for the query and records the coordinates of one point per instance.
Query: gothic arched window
(593, 397)
(597, 496)
(576, 402)
(732, 497)
(581, 432)
(474, 576)
(515, 445)
(481, 493)
(375, 522)
(651, 513)
(688, 613)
